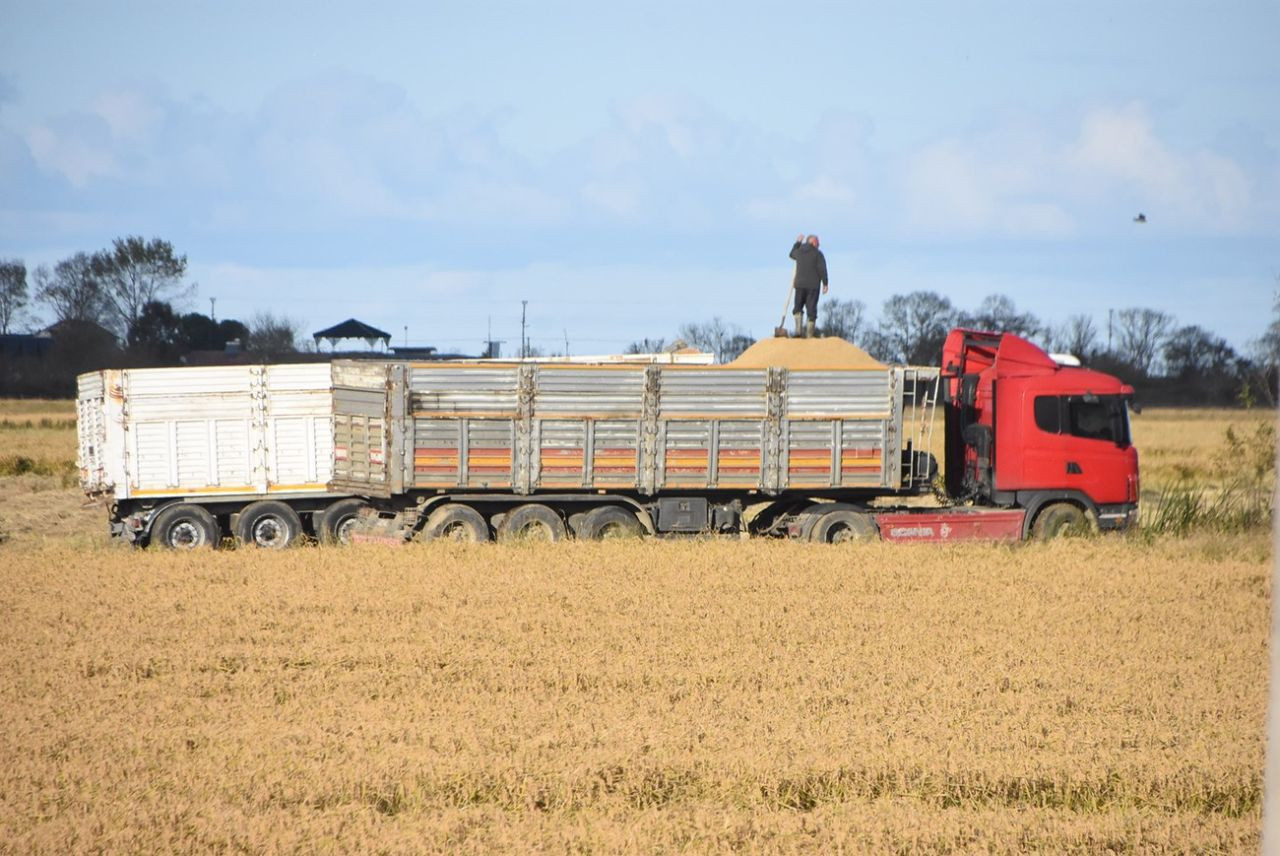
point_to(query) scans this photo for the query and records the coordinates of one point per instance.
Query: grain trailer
(185, 456)
(523, 449)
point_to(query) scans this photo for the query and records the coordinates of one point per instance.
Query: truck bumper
(1117, 518)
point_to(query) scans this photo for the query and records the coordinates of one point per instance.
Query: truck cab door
(1076, 442)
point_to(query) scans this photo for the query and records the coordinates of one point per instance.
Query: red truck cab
(1024, 431)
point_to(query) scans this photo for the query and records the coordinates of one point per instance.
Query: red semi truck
(480, 450)
(1034, 446)
(1050, 442)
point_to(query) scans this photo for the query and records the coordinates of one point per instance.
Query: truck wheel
(334, 524)
(455, 522)
(270, 525)
(1060, 519)
(184, 527)
(839, 527)
(532, 522)
(610, 521)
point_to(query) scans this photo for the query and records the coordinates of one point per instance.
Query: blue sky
(630, 167)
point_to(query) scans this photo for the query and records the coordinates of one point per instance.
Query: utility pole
(213, 316)
(566, 341)
(406, 337)
(524, 342)
(1111, 314)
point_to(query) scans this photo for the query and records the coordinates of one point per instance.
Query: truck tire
(842, 526)
(184, 527)
(610, 521)
(532, 522)
(1060, 519)
(455, 522)
(334, 524)
(268, 525)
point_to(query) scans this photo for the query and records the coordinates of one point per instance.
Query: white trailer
(186, 456)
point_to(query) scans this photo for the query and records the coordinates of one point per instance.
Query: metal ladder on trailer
(920, 388)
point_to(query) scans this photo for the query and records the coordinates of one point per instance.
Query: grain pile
(828, 353)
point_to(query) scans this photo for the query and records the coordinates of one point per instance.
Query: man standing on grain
(811, 272)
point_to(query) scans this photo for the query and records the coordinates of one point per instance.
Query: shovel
(780, 332)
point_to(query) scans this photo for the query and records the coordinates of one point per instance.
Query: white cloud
(77, 157)
(1118, 149)
(129, 114)
(340, 150)
(1011, 180)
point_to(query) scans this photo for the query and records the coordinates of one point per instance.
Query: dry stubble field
(1085, 695)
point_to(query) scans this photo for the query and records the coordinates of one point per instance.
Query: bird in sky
(1141, 218)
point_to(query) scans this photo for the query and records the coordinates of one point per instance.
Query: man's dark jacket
(811, 265)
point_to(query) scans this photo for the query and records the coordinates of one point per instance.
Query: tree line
(116, 307)
(1167, 362)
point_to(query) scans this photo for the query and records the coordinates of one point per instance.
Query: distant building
(351, 329)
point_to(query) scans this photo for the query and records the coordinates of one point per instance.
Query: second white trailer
(187, 456)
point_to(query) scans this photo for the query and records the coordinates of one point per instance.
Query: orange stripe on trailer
(283, 488)
(435, 462)
(212, 490)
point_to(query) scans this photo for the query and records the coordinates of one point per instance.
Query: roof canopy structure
(352, 329)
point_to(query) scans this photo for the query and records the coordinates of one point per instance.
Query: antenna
(524, 341)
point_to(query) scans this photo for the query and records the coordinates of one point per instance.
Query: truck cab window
(1091, 417)
(1099, 418)
(1048, 413)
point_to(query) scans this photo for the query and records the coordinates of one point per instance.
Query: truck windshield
(1095, 417)
(1101, 417)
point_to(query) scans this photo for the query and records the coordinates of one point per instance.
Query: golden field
(1085, 695)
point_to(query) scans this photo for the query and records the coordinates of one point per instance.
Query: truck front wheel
(1060, 519)
(184, 527)
(838, 527)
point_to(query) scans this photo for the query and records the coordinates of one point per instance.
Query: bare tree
(724, 341)
(1193, 351)
(71, 290)
(1266, 349)
(271, 334)
(135, 272)
(1141, 333)
(13, 292)
(737, 343)
(913, 328)
(646, 346)
(998, 314)
(1076, 335)
(844, 318)
(1266, 355)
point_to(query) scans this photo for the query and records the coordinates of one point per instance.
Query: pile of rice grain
(828, 353)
